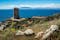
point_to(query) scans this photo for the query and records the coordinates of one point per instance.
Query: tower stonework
(16, 13)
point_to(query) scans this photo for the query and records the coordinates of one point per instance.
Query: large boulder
(50, 31)
(19, 33)
(29, 32)
(54, 27)
(2, 27)
(39, 34)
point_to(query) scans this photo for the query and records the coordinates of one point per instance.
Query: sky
(9, 4)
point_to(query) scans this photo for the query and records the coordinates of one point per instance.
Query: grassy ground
(8, 34)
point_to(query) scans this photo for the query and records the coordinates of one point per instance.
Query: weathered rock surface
(28, 32)
(19, 32)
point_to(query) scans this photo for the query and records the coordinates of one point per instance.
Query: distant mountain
(25, 7)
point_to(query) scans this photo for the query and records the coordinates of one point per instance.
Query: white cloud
(52, 5)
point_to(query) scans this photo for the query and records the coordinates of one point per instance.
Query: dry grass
(36, 27)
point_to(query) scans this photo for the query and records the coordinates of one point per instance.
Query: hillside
(35, 24)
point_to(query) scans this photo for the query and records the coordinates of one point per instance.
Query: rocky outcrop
(19, 33)
(49, 31)
(29, 32)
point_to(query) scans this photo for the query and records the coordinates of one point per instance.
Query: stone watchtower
(16, 13)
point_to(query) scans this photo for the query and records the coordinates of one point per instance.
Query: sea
(27, 13)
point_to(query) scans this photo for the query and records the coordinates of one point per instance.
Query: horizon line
(33, 6)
